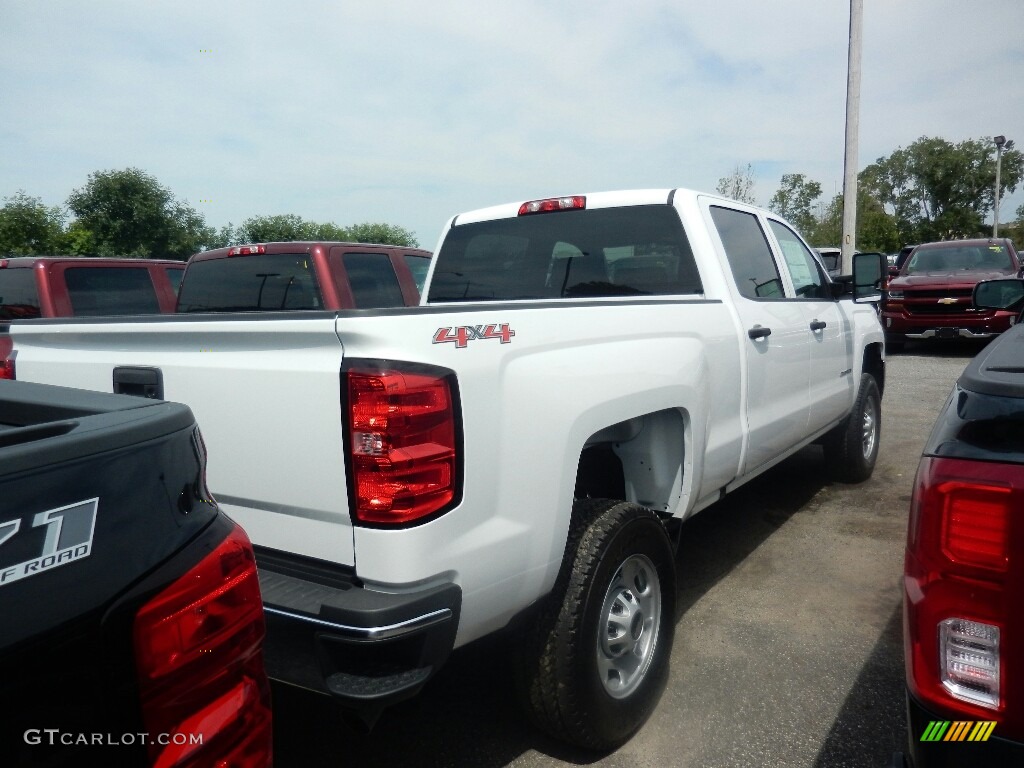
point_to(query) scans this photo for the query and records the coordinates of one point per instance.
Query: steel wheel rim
(869, 428)
(630, 621)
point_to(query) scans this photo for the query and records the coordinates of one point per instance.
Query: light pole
(1001, 144)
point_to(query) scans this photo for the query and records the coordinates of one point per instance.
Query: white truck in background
(516, 453)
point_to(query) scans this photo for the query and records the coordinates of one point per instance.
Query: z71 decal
(64, 535)
(464, 334)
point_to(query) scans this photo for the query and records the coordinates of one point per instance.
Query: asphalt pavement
(788, 647)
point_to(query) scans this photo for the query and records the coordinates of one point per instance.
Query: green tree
(389, 234)
(290, 227)
(939, 190)
(128, 213)
(876, 228)
(29, 228)
(795, 199)
(738, 185)
(273, 229)
(1015, 229)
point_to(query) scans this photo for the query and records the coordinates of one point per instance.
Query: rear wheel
(594, 664)
(851, 449)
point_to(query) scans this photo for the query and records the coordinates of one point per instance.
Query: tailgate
(265, 389)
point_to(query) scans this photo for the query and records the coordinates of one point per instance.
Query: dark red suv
(930, 298)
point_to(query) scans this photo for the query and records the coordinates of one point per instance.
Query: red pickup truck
(303, 275)
(54, 286)
(930, 298)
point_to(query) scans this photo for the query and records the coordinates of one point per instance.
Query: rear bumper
(994, 751)
(367, 649)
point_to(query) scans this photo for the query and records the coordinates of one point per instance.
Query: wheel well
(875, 365)
(599, 475)
(639, 460)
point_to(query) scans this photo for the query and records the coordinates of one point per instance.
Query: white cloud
(408, 112)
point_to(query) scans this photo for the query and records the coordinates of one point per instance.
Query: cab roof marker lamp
(246, 250)
(553, 204)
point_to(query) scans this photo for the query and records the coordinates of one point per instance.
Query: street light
(1001, 144)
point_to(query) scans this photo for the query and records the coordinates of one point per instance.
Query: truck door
(831, 382)
(776, 340)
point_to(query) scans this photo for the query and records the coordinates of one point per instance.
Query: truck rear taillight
(7, 358)
(553, 204)
(958, 584)
(402, 438)
(199, 655)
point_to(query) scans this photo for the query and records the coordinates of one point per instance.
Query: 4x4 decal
(464, 334)
(67, 537)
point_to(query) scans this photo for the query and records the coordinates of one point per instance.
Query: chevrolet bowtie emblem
(947, 301)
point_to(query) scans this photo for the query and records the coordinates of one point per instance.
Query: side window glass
(373, 280)
(748, 252)
(418, 265)
(807, 280)
(18, 295)
(175, 275)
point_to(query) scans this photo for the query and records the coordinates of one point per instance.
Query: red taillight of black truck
(962, 589)
(199, 656)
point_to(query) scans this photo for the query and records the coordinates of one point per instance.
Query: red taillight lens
(402, 438)
(246, 250)
(553, 204)
(7, 358)
(199, 655)
(975, 523)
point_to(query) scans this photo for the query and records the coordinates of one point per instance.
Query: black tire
(594, 663)
(851, 449)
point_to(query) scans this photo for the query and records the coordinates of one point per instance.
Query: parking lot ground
(788, 646)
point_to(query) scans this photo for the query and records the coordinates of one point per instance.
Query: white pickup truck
(518, 452)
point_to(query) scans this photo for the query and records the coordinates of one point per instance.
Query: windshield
(977, 258)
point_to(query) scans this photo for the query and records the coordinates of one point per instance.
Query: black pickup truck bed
(131, 627)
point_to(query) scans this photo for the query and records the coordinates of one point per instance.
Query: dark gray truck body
(102, 505)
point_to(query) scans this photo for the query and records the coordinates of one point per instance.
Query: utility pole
(849, 244)
(1001, 144)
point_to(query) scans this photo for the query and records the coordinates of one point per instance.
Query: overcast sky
(409, 111)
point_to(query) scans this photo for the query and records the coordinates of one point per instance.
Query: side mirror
(999, 294)
(868, 269)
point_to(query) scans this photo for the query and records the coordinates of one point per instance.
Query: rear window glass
(979, 426)
(259, 283)
(18, 295)
(629, 251)
(110, 291)
(373, 280)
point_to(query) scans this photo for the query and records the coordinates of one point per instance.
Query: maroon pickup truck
(303, 276)
(54, 286)
(930, 298)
